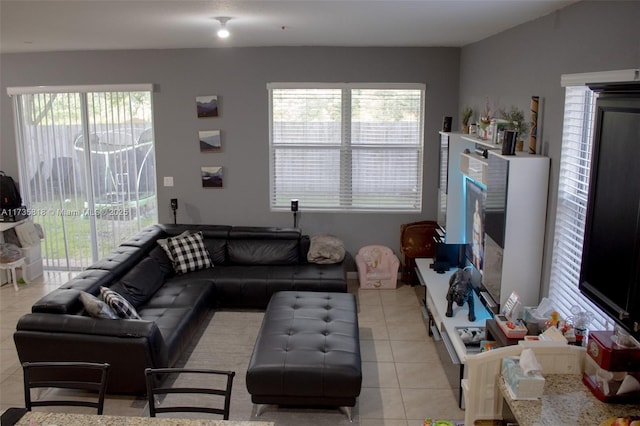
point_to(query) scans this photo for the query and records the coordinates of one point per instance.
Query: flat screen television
(475, 206)
(610, 274)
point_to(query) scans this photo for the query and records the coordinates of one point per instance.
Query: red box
(609, 356)
(605, 384)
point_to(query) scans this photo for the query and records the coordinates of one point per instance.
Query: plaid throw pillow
(189, 253)
(119, 304)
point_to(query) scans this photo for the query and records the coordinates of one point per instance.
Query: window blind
(573, 193)
(346, 148)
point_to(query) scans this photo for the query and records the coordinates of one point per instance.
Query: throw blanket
(325, 249)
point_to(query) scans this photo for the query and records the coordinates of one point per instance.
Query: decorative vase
(465, 129)
(483, 129)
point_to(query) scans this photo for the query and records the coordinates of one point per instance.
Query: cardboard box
(523, 386)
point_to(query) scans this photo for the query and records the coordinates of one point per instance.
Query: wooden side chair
(155, 387)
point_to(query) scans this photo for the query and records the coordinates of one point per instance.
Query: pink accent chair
(377, 267)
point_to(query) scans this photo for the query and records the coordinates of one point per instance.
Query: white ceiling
(53, 25)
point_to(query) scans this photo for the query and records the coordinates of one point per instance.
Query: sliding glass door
(87, 168)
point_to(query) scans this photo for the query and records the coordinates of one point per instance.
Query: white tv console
(443, 328)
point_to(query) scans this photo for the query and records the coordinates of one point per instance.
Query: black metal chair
(156, 377)
(86, 376)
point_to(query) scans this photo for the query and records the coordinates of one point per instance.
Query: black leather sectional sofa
(250, 265)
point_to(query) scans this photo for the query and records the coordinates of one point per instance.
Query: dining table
(39, 418)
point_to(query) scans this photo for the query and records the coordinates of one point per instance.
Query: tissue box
(523, 386)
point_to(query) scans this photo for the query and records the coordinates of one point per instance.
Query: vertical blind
(573, 194)
(346, 147)
(87, 167)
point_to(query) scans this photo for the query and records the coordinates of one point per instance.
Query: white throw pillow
(119, 304)
(189, 253)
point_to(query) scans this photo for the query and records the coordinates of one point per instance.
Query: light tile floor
(403, 379)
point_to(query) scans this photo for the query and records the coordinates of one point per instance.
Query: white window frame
(573, 193)
(278, 203)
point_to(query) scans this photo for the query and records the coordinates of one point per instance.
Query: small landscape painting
(207, 106)
(209, 140)
(211, 176)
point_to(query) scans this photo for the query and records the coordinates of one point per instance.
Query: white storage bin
(32, 253)
(30, 271)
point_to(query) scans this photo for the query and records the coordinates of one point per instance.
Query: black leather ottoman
(307, 352)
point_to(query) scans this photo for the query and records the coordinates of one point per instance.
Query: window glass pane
(386, 117)
(306, 116)
(320, 169)
(385, 178)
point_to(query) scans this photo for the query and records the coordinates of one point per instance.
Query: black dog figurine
(460, 291)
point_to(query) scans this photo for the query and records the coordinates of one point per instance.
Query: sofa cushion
(95, 307)
(263, 252)
(120, 260)
(144, 239)
(189, 253)
(217, 248)
(90, 280)
(164, 263)
(119, 304)
(183, 291)
(141, 282)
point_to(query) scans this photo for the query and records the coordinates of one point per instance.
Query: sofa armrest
(129, 346)
(78, 324)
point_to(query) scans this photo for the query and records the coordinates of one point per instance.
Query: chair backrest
(87, 376)
(416, 239)
(155, 386)
(376, 256)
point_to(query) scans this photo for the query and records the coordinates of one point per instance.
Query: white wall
(528, 60)
(239, 77)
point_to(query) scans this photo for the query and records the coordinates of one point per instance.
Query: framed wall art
(211, 176)
(207, 106)
(209, 140)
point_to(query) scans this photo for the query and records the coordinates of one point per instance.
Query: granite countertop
(566, 401)
(35, 418)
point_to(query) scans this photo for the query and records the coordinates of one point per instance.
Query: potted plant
(466, 116)
(515, 116)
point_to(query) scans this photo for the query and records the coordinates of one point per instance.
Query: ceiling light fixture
(223, 32)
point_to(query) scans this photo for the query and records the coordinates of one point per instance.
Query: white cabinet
(515, 222)
(515, 211)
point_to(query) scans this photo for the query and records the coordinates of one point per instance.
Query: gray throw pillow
(164, 243)
(96, 307)
(325, 249)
